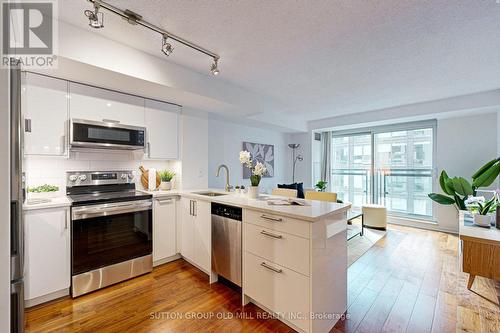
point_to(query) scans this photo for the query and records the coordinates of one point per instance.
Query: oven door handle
(81, 213)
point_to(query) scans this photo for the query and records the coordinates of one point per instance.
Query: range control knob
(124, 176)
(73, 178)
(83, 178)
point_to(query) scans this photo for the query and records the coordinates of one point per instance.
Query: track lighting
(96, 18)
(213, 68)
(166, 47)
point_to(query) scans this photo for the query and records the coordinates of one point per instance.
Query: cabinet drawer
(279, 289)
(276, 222)
(285, 249)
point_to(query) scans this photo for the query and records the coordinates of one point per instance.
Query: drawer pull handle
(263, 264)
(271, 235)
(272, 218)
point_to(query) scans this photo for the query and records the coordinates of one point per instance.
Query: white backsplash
(52, 170)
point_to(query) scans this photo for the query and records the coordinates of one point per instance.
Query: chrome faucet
(223, 166)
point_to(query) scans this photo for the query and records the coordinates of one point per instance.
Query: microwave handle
(111, 121)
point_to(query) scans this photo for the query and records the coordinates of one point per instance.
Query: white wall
(52, 170)
(303, 170)
(4, 204)
(464, 144)
(194, 149)
(225, 141)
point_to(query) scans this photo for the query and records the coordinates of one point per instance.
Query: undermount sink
(210, 194)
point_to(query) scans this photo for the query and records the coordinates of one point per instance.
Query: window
(389, 165)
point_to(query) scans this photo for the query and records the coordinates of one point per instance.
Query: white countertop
(56, 202)
(313, 212)
(491, 233)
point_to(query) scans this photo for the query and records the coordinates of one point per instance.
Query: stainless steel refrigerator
(17, 195)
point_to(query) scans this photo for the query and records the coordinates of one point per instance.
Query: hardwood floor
(409, 281)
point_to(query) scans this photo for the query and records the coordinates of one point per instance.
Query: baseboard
(166, 260)
(46, 298)
(420, 225)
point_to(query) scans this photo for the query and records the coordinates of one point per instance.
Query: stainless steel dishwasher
(226, 242)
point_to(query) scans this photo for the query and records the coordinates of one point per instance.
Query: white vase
(166, 186)
(482, 220)
(253, 192)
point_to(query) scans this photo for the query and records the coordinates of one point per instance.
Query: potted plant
(457, 189)
(166, 179)
(43, 191)
(258, 170)
(321, 186)
(481, 209)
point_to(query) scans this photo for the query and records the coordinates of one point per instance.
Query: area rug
(358, 245)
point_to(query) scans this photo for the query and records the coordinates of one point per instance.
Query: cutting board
(145, 178)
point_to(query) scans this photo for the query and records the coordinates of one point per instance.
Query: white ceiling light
(96, 20)
(214, 69)
(166, 47)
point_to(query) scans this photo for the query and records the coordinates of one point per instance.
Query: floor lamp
(294, 158)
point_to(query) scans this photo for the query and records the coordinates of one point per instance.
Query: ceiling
(317, 59)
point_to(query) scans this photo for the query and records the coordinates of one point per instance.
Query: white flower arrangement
(258, 170)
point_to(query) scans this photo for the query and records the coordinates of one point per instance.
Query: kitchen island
(294, 257)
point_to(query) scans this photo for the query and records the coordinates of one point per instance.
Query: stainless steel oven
(111, 231)
(106, 135)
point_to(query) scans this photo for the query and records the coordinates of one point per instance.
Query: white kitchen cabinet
(203, 231)
(164, 229)
(187, 228)
(45, 110)
(47, 253)
(91, 103)
(196, 232)
(162, 123)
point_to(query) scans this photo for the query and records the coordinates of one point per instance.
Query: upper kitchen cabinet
(91, 103)
(45, 110)
(162, 122)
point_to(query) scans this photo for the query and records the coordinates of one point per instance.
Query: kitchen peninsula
(294, 257)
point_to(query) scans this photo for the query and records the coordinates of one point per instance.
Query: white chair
(374, 216)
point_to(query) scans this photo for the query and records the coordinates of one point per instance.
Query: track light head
(166, 47)
(96, 18)
(214, 69)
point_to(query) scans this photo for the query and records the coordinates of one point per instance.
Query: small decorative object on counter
(481, 208)
(237, 189)
(257, 170)
(242, 189)
(43, 191)
(166, 179)
(145, 178)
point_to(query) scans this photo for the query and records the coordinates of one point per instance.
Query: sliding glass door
(351, 165)
(391, 165)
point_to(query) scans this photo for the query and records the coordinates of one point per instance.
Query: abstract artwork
(260, 153)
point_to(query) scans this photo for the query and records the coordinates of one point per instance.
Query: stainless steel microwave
(106, 135)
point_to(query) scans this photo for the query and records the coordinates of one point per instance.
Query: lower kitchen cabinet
(196, 232)
(164, 229)
(47, 254)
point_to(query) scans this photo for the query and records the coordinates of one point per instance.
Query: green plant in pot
(166, 179)
(43, 191)
(321, 185)
(457, 189)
